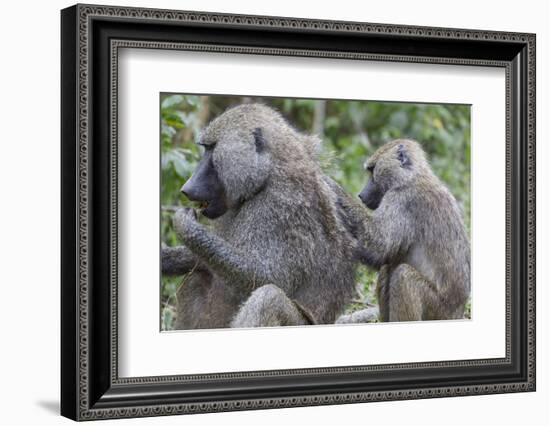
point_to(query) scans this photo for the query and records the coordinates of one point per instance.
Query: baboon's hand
(366, 315)
(183, 219)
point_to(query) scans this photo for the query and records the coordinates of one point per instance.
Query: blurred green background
(350, 130)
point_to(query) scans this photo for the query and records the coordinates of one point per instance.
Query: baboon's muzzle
(205, 187)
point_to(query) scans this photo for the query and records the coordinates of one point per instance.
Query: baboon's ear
(403, 157)
(259, 139)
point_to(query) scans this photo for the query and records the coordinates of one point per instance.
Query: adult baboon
(415, 236)
(279, 251)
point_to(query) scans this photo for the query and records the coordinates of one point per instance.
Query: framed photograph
(263, 212)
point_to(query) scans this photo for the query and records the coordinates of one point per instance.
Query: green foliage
(350, 130)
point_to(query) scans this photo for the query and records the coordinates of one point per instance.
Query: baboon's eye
(208, 147)
(370, 169)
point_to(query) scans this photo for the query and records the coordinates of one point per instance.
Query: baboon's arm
(353, 214)
(247, 269)
(387, 234)
(177, 260)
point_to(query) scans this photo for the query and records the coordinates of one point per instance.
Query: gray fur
(269, 306)
(365, 315)
(282, 254)
(417, 237)
(177, 260)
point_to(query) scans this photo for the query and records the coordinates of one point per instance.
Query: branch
(170, 209)
(319, 118)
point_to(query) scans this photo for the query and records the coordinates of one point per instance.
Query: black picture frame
(90, 386)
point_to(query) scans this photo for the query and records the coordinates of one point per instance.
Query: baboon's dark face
(206, 188)
(389, 167)
(372, 194)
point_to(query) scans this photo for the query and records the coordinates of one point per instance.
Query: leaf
(173, 119)
(171, 101)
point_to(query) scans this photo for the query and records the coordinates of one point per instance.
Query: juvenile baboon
(279, 250)
(415, 236)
